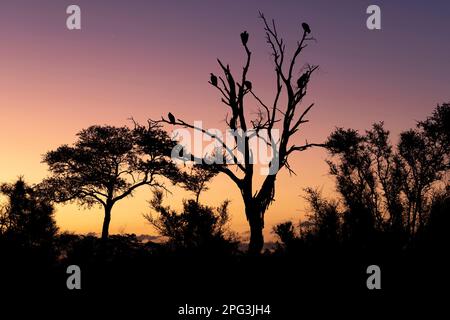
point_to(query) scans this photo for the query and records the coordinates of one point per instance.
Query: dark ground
(154, 288)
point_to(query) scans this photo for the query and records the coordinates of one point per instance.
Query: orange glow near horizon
(158, 57)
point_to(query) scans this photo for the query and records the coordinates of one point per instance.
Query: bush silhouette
(197, 228)
(26, 221)
(27, 238)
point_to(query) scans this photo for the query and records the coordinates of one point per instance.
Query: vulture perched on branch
(171, 118)
(301, 82)
(244, 38)
(213, 80)
(306, 28)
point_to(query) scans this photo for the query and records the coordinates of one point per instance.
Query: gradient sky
(143, 58)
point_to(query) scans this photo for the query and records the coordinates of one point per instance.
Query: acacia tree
(107, 164)
(283, 114)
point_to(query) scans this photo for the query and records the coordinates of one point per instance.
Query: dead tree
(286, 117)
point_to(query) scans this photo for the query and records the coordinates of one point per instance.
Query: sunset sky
(142, 59)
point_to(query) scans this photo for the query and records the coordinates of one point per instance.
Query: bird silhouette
(301, 82)
(244, 37)
(248, 85)
(213, 80)
(306, 27)
(171, 118)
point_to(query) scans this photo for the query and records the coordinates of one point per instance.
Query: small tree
(107, 164)
(196, 179)
(197, 227)
(27, 219)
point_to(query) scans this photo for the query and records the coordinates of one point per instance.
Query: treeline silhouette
(390, 197)
(391, 209)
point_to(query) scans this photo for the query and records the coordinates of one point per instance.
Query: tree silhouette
(270, 117)
(436, 231)
(424, 156)
(437, 127)
(197, 228)
(393, 197)
(385, 187)
(325, 221)
(286, 233)
(106, 164)
(26, 220)
(322, 228)
(196, 179)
